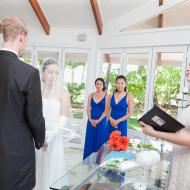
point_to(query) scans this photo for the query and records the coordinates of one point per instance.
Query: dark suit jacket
(21, 122)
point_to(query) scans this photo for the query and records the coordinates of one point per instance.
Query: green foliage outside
(76, 90)
(27, 60)
(73, 64)
(167, 83)
(136, 83)
(40, 61)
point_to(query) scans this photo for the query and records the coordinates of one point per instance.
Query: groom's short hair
(11, 27)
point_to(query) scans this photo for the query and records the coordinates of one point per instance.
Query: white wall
(113, 37)
(139, 15)
(61, 37)
(67, 37)
(64, 37)
(158, 37)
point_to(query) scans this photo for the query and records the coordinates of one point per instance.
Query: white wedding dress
(50, 163)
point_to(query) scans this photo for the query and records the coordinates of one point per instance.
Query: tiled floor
(72, 157)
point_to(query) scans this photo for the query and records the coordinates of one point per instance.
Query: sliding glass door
(111, 62)
(136, 70)
(28, 56)
(154, 76)
(167, 78)
(75, 66)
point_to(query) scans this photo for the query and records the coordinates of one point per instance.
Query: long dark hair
(123, 78)
(102, 80)
(47, 62)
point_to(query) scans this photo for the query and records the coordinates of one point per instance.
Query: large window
(27, 57)
(110, 69)
(136, 74)
(75, 68)
(43, 55)
(167, 81)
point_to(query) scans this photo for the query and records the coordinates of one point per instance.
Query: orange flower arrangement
(118, 142)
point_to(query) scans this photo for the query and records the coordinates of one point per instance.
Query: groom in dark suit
(21, 120)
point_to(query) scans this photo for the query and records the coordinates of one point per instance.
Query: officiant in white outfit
(56, 110)
(180, 169)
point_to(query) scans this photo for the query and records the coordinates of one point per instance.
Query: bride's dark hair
(47, 62)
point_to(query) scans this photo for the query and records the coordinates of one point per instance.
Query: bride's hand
(45, 145)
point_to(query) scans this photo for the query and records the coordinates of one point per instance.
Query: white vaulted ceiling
(111, 9)
(68, 13)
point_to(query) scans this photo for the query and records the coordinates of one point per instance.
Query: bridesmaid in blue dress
(97, 120)
(120, 108)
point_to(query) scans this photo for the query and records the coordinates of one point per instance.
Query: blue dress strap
(126, 96)
(112, 95)
(91, 96)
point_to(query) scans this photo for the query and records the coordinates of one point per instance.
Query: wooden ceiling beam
(97, 16)
(107, 57)
(160, 21)
(160, 25)
(160, 17)
(41, 16)
(119, 24)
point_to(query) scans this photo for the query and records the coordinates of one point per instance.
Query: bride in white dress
(50, 164)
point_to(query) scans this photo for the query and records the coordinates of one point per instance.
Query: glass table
(89, 175)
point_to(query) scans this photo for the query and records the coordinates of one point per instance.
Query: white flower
(148, 158)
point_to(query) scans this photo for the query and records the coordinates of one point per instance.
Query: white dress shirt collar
(7, 49)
